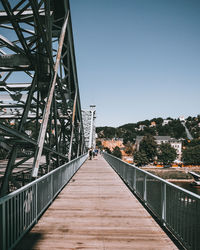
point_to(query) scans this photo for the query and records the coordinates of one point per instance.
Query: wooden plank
(96, 211)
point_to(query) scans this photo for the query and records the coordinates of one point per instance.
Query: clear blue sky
(138, 59)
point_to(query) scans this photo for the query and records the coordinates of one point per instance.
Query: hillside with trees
(165, 154)
(156, 126)
(149, 152)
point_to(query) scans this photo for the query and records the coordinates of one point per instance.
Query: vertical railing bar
(145, 188)
(4, 225)
(15, 219)
(11, 221)
(134, 180)
(19, 206)
(164, 203)
(8, 224)
(32, 206)
(175, 212)
(33, 203)
(29, 207)
(180, 227)
(51, 188)
(178, 214)
(20, 217)
(36, 201)
(186, 217)
(23, 214)
(17, 215)
(187, 221)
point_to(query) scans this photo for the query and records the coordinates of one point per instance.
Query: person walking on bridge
(90, 154)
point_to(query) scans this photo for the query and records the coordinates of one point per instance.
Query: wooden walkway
(96, 211)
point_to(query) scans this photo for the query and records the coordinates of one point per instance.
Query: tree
(191, 155)
(129, 148)
(149, 147)
(140, 159)
(106, 132)
(149, 131)
(146, 123)
(99, 144)
(109, 132)
(178, 130)
(129, 136)
(116, 152)
(166, 154)
(158, 120)
(191, 143)
(108, 150)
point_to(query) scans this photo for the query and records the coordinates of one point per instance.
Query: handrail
(20, 210)
(176, 208)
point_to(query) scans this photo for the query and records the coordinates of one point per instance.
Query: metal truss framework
(40, 110)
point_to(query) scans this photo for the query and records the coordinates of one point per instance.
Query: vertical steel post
(51, 188)
(134, 180)
(36, 202)
(164, 202)
(43, 128)
(145, 188)
(79, 138)
(3, 226)
(72, 132)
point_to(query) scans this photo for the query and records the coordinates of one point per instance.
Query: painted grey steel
(92, 110)
(47, 108)
(72, 129)
(89, 117)
(20, 210)
(176, 208)
(38, 86)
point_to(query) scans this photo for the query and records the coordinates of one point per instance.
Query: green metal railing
(176, 208)
(20, 210)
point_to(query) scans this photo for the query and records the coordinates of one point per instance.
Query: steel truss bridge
(42, 135)
(40, 111)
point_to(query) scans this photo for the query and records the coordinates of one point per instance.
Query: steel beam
(42, 113)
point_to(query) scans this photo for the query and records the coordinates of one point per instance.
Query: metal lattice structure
(40, 110)
(89, 117)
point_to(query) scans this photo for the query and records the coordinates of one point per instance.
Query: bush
(116, 152)
(191, 155)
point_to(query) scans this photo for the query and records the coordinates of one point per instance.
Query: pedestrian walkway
(96, 210)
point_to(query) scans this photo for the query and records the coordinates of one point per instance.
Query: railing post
(129, 172)
(145, 189)
(36, 202)
(51, 188)
(134, 180)
(3, 226)
(60, 179)
(164, 203)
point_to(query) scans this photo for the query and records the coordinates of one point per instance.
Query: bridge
(96, 211)
(86, 204)
(50, 193)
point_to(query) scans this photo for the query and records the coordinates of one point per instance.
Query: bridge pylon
(40, 111)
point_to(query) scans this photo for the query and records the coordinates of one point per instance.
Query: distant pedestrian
(90, 154)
